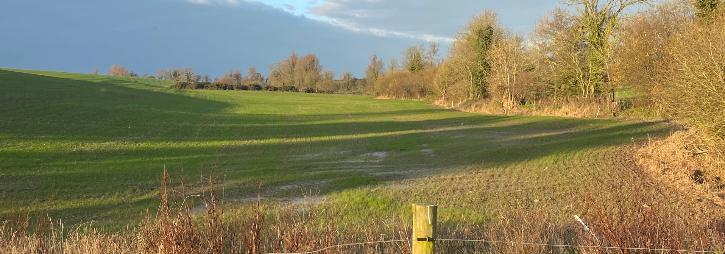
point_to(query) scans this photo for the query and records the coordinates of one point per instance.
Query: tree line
(667, 59)
(294, 74)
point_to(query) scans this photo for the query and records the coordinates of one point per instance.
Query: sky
(216, 36)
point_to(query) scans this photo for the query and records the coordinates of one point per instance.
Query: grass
(87, 147)
(92, 148)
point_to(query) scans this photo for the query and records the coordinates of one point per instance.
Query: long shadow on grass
(242, 180)
(300, 149)
(358, 133)
(102, 110)
(485, 145)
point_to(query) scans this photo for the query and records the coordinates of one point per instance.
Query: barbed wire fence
(511, 243)
(344, 245)
(424, 221)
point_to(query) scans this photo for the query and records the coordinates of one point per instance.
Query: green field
(87, 147)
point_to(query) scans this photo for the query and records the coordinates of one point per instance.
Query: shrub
(691, 86)
(404, 84)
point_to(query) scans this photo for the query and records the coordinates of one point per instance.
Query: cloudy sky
(214, 36)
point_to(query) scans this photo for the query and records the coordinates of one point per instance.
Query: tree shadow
(135, 129)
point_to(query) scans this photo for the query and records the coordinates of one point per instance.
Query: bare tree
(642, 46)
(431, 57)
(510, 64)
(254, 77)
(283, 73)
(327, 82)
(393, 66)
(187, 75)
(347, 81)
(302, 73)
(470, 53)
(374, 70)
(231, 78)
(307, 72)
(446, 79)
(692, 83)
(118, 71)
(287, 68)
(560, 63)
(599, 20)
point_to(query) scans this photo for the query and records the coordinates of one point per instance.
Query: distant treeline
(294, 74)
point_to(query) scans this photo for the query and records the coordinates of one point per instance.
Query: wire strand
(340, 245)
(509, 243)
(574, 246)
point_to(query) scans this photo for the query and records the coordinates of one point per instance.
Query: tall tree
(692, 82)
(598, 20)
(393, 66)
(283, 73)
(254, 77)
(431, 57)
(347, 81)
(446, 79)
(560, 54)
(470, 53)
(413, 59)
(307, 72)
(374, 70)
(510, 63)
(642, 46)
(300, 72)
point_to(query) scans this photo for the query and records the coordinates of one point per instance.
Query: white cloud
(412, 19)
(381, 32)
(428, 20)
(294, 7)
(423, 20)
(319, 10)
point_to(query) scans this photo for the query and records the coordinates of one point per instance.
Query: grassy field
(86, 147)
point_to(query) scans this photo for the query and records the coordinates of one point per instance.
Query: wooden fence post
(424, 228)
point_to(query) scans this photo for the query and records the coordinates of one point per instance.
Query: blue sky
(215, 36)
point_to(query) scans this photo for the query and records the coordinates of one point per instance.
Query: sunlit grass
(86, 147)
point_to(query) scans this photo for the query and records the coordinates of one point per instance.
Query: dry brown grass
(620, 218)
(580, 108)
(689, 161)
(644, 221)
(48, 236)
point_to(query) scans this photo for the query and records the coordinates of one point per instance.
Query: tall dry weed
(627, 220)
